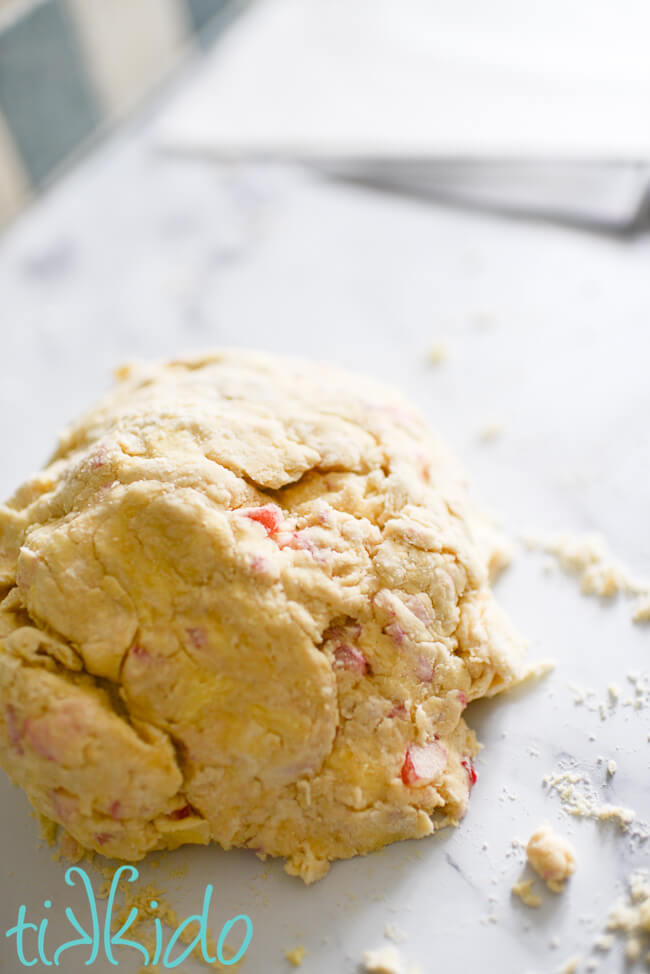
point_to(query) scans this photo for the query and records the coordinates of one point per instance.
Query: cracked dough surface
(247, 601)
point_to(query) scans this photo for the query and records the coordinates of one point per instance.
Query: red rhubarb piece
(396, 633)
(468, 764)
(180, 813)
(348, 658)
(197, 636)
(269, 516)
(419, 609)
(15, 730)
(423, 763)
(424, 669)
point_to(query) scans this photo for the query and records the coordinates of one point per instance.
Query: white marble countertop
(137, 255)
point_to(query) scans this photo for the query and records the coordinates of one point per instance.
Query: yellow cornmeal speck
(141, 899)
(296, 955)
(490, 431)
(642, 609)
(104, 890)
(524, 890)
(571, 966)
(603, 943)
(48, 829)
(394, 933)
(438, 353)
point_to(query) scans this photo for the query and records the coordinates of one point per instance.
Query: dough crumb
(524, 890)
(384, 960)
(48, 830)
(296, 955)
(394, 933)
(490, 431)
(552, 857)
(630, 916)
(589, 558)
(604, 942)
(150, 902)
(571, 966)
(579, 798)
(438, 353)
(642, 609)
(611, 768)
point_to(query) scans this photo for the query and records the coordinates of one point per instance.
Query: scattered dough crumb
(394, 933)
(483, 320)
(524, 890)
(141, 898)
(438, 353)
(571, 965)
(490, 431)
(552, 857)
(637, 700)
(48, 829)
(642, 609)
(631, 916)
(588, 557)
(384, 960)
(611, 768)
(296, 955)
(604, 942)
(579, 798)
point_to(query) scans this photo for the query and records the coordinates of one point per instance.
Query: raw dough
(247, 601)
(383, 960)
(524, 890)
(551, 856)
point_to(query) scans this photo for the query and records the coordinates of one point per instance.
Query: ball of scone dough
(247, 601)
(551, 856)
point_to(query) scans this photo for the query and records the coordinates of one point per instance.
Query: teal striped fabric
(68, 68)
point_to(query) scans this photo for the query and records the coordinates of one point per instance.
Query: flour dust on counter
(600, 574)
